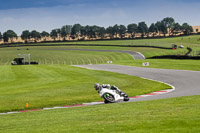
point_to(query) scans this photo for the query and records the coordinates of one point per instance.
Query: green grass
(164, 63)
(55, 83)
(188, 41)
(175, 115)
(59, 55)
(51, 85)
(55, 55)
(148, 52)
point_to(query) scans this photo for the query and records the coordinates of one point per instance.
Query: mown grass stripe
(87, 104)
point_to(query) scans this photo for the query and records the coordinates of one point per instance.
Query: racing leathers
(110, 87)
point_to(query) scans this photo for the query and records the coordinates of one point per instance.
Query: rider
(98, 87)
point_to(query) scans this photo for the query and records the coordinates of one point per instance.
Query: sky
(45, 15)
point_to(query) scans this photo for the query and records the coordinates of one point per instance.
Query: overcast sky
(45, 15)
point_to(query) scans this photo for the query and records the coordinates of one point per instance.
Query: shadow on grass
(175, 57)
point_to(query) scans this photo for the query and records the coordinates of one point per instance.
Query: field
(54, 82)
(62, 55)
(58, 55)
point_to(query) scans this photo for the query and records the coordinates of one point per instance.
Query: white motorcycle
(111, 96)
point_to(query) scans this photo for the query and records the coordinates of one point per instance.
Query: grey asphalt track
(186, 83)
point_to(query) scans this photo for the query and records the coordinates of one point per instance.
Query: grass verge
(175, 115)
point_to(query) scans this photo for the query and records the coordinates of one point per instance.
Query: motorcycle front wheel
(126, 98)
(109, 98)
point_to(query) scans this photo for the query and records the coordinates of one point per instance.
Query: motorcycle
(111, 96)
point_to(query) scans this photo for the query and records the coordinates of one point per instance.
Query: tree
(9, 34)
(115, 30)
(1, 37)
(110, 31)
(88, 31)
(54, 34)
(58, 33)
(76, 30)
(142, 28)
(186, 28)
(44, 35)
(35, 34)
(122, 30)
(158, 27)
(83, 31)
(65, 31)
(176, 29)
(26, 35)
(101, 32)
(94, 31)
(161, 28)
(132, 29)
(152, 29)
(168, 24)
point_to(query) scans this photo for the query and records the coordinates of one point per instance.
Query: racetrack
(186, 83)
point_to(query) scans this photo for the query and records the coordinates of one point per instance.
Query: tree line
(166, 26)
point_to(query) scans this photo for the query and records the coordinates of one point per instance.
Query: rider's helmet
(96, 86)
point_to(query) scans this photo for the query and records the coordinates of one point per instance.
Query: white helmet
(96, 86)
